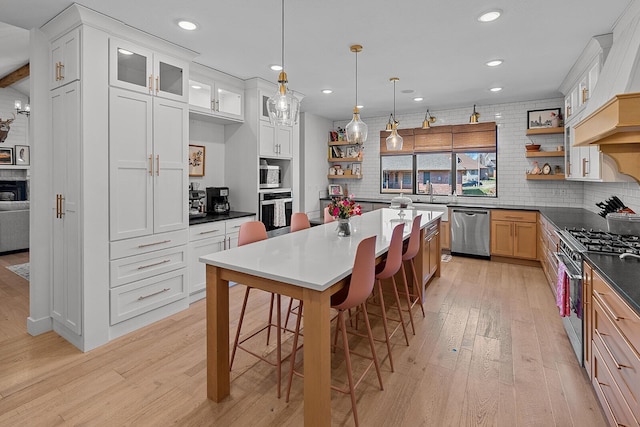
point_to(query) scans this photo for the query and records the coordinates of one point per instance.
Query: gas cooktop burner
(604, 242)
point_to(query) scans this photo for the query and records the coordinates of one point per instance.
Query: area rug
(21, 270)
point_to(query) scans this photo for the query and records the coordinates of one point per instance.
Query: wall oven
(275, 208)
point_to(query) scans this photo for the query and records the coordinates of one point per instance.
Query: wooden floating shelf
(556, 177)
(545, 131)
(344, 176)
(345, 159)
(544, 154)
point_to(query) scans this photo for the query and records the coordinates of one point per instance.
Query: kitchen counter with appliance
(211, 217)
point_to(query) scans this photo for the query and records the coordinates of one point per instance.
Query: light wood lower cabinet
(615, 353)
(445, 235)
(514, 234)
(429, 265)
(548, 242)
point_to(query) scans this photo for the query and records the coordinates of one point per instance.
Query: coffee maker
(218, 200)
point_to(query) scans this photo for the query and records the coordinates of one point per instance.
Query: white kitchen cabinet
(142, 70)
(148, 165)
(65, 59)
(275, 140)
(66, 278)
(206, 239)
(215, 99)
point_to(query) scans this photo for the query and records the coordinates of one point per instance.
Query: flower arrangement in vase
(344, 207)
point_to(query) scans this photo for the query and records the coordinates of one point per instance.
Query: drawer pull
(236, 226)
(210, 231)
(153, 294)
(606, 306)
(606, 347)
(142, 267)
(153, 244)
(606, 402)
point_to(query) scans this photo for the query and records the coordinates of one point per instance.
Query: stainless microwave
(270, 176)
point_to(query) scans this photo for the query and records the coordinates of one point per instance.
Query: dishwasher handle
(470, 212)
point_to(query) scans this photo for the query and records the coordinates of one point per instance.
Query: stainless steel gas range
(573, 243)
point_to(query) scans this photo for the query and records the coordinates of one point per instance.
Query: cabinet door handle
(61, 71)
(213, 105)
(150, 164)
(57, 71)
(150, 83)
(584, 166)
(157, 164)
(153, 244)
(140, 298)
(585, 91)
(142, 267)
(59, 206)
(210, 231)
(608, 308)
(608, 350)
(157, 84)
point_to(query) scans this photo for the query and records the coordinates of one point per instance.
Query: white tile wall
(513, 188)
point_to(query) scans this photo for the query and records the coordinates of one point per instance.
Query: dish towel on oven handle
(279, 215)
(562, 291)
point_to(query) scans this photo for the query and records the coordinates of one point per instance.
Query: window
(470, 173)
(396, 174)
(476, 174)
(433, 170)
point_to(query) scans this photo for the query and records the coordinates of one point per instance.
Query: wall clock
(546, 169)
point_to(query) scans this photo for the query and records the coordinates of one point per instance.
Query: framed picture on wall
(23, 155)
(335, 190)
(539, 119)
(356, 168)
(6, 156)
(196, 160)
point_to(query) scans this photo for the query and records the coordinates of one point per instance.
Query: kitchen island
(310, 265)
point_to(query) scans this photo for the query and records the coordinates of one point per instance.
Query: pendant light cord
(394, 101)
(282, 35)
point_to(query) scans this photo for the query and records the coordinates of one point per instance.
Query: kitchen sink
(437, 207)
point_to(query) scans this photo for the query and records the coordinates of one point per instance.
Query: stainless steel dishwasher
(470, 230)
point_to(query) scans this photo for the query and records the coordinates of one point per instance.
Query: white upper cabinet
(274, 140)
(142, 70)
(65, 59)
(216, 95)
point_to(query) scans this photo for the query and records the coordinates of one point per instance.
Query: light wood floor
(491, 351)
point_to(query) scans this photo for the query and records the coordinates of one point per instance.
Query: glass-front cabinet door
(229, 101)
(139, 69)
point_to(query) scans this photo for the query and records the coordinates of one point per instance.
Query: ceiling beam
(15, 76)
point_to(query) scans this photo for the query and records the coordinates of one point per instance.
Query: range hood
(613, 112)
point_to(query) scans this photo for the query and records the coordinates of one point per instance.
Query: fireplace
(13, 190)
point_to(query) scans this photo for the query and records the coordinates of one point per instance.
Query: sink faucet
(430, 192)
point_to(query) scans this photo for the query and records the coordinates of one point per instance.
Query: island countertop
(315, 258)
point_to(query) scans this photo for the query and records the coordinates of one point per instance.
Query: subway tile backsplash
(513, 187)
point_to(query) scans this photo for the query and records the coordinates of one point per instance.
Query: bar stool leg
(406, 291)
(384, 323)
(395, 292)
(419, 287)
(235, 342)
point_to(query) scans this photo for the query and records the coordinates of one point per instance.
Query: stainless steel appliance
(573, 243)
(270, 176)
(197, 203)
(218, 200)
(275, 208)
(470, 231)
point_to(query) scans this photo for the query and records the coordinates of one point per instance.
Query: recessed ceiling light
(495, 89)
(418, 99)
(276, 67)
(327, 91)
(494, 62)
(125, 51)
(196, 87)
(187, 25)
(489, 16)
(407, 91)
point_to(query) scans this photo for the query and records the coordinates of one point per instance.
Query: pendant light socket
(473, 119)
(394, 141)
(428, 119)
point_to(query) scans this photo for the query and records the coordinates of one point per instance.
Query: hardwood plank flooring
(491, 350)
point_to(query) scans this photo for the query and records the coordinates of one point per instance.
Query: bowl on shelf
(532, 147)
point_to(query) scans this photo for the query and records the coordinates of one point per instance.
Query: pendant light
(473, 119)
(283, 106)
(356, 129)
(389, 126)
(394, 141)
(428, 119)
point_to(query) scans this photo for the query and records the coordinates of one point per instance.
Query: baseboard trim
(39, 326)
(519, 261)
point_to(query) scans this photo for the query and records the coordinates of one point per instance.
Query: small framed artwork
(196, 160)
(335, 190)
(356, 168)
(23, 155)
(539, 119)
(6, 156)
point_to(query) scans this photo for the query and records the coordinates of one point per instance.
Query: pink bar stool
(327, 216)
(250, 232)
(410, 252)
(299, 221)
(352, 296)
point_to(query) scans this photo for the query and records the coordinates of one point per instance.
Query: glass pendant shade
(283, 106)
(356, 129)
(394, 141)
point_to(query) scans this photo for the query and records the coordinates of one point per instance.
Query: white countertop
(315, 258)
